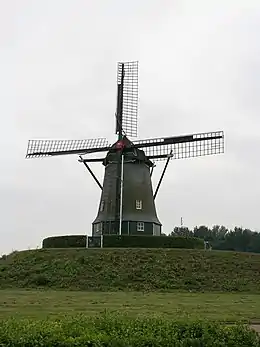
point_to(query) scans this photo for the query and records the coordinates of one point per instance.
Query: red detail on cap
(120, 145)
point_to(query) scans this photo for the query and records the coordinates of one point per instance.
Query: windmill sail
(186, 146)
(127, 98)
(46, 148)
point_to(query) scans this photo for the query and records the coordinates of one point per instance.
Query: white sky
(199, 71)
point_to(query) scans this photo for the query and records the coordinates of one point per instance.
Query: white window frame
(140, 226)
(139, 204)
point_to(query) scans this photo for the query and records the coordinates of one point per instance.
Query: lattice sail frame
(196, 145)
(130, 96)
(46, 148)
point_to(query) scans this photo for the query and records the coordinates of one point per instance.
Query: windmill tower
(127, 202)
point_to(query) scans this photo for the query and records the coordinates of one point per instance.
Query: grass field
(132, 269)
(177, 306)
(169, 294)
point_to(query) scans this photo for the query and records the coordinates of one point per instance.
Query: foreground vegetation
(222, 307)
(119, 331)
(132, 269)
(130, 297)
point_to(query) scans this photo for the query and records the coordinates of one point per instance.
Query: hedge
(152, 241)
(67, 241)
(123, 241)
(112, 331)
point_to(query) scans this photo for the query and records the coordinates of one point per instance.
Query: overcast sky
(199, 71)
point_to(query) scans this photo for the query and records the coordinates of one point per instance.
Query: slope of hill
(131, 269)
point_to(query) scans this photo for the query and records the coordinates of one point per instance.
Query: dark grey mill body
(137, 185)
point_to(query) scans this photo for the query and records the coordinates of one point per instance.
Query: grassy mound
(121, 331)
(131, 269)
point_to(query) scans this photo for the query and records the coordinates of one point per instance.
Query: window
(138, 204)
(102, 205)
(140, 226)
(97, 229)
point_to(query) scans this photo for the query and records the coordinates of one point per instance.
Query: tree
(202, 232)
(219, 237)
(182, 231)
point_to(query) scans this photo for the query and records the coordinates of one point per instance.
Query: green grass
(55, 297)
(176, 306)
(132, 270)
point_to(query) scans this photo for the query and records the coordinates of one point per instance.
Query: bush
(73, 241)
(114, 331)
(152, 241)
(123, 241)
(40, 280)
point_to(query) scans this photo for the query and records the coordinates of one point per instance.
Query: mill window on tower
(102, 206)
(140, 226)
(138, 204)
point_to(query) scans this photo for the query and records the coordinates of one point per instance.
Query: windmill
(127, 202)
